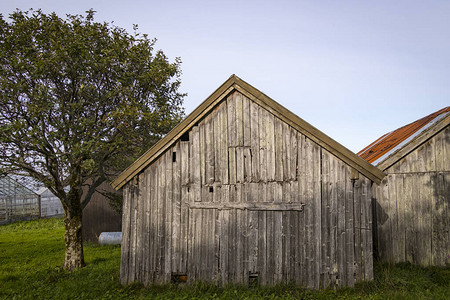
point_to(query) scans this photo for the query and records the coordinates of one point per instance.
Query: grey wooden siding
(413, 219)
(99, 216)
(246, 196)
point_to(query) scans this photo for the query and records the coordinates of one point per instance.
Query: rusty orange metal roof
(392, 139)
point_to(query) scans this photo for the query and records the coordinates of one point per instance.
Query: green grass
(32, 253)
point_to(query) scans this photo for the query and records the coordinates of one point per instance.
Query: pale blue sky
(353, 69)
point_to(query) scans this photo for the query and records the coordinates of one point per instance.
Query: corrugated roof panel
(390, 140)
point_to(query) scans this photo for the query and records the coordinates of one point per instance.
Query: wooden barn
(244, 191)
(412, 201)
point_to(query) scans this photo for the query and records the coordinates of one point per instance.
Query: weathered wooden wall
(98, 216)
(413, 219)
(246, 195)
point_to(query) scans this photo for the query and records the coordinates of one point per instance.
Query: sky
(353, 69)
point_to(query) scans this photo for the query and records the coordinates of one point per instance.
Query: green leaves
(80, 98)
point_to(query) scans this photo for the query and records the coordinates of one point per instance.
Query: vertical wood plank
(202, 151)
(132, 261)
(217, 197)
(176, 229)
(286, 149)
(203, 242)
(126, 227)
(400, 237)
(240, 165)
(287, 262)
(239, 249)
(139, 231)
(153, 234)
(184, 161)
(218, 141)
(302, 194)
(223, 155)
(364, 227)
(357, 199)
(245, 233)
(184, 213)
(253, 241)
(393, 215)
(277, 243)
(439, 144)
(425, 219)
(294, 259)
(262, 143)
(239, 119)
(194, 167)
(294, 155)
(325, 224)
(416, 207)
(270, 146)
(278, 149)
(334, 185)
(309, 213)
(430, 162)
(409, 219)
(218, 240)
(191, 247)
(212, 267)
(262, 244)
(340, 247)
(317, 196)
(169, 216)
(232, 241)
(232, 167)
(210, 149)
(384, 228)
(224, 265)
(349, 233)
(162, 216)
(278, 239)
(254, 140)
(246, 121)
(231, 120)
(368, 275)
(146, 228)
(247, 164)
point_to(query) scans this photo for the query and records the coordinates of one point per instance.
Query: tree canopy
(80, 100)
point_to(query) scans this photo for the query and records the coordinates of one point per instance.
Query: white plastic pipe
(110, 238)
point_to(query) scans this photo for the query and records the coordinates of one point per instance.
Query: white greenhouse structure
(17, 202)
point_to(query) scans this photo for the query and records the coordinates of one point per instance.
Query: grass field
(32, 253)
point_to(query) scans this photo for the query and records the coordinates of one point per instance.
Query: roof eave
(235, 83)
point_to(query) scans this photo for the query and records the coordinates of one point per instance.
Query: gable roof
(391, 147)
(234, 83)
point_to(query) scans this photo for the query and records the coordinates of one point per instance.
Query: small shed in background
(412, 201)
(244, 191)
(99, 216)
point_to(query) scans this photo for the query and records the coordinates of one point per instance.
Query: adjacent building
(412, 201)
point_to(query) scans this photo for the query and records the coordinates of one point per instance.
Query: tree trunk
(74, 257)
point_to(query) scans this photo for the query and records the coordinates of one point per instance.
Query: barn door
(228, 240)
